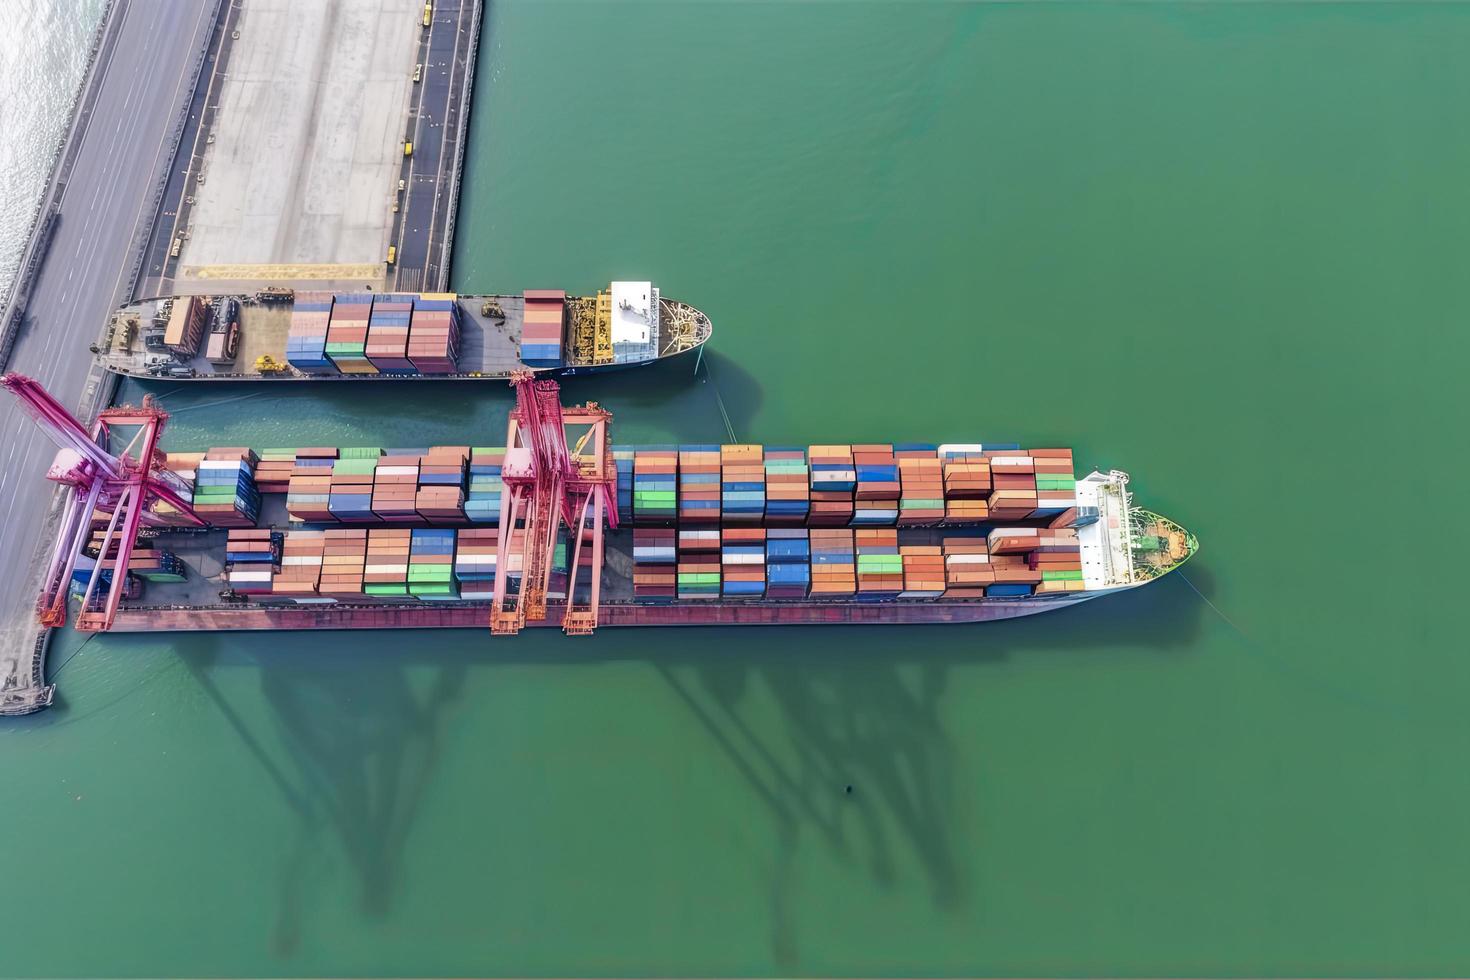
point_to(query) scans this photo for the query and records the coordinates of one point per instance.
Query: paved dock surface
(308, 134)
(105, 214)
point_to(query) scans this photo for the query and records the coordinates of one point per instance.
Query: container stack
(742, 484)
(396, 487)
(301, 564)
(879, 564)
(699, 484)
(387, 336)
(655, 559)
(834, 562)
(923, 571)
(655, 486)
(877, 492)
(541, 333)
(967, 571)
(743, 562)
(433, 336)
(146, 562)
(344, 561)
(1010, 559)
(1058, 557)
(699, 563)
(431, 564)
(833, 480)
(441, 485)
(1056, 485)
(347, 333)
(187, 320)
(352, 485)
(788, 563)
(273, 472)
(386, 570)
(921, 476)
(306, 341)
(487, 484)
(250, 559)
(308, 495)
(788, 487)
(224, 488)
(1013, 474)
(967, 483)
(623, 463)
(474, 562)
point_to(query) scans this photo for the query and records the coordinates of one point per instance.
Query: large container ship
(556, 529)
(281, 334)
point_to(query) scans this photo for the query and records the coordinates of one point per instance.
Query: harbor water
(1221, 246)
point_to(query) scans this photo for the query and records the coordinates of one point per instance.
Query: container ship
(560, 527)
(281, 334)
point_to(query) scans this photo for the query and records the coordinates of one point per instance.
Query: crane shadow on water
(838, 733)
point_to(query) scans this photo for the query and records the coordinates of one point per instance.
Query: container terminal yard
(561, 527)
(152, 107)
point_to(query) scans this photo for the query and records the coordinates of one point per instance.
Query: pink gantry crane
(548, 483)
(120, 487)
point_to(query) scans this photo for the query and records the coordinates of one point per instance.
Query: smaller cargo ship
(281, 334)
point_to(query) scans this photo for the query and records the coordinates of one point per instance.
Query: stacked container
(788, 563)
(921, 478)
(487, 484)
(344, 557)
(699, 484)
(273, 471)
(742, 484)
(1010, 560)
(623, 463)
(1058, 557)
(386, 569)
(967, 571)
(250, 559)
(743, 562)
(352, 485)
(188, 317)
(877, 491)
(541, 332)
(699, 563)
(655, 485)
(923, 571)
(1056, 485)
(441, 485)
(224, 488)
(1013, 474)
(301, 564)
(833, 480)
(387, 337)
(879, 564)
(967, 483)
(788, 489)
(655, 557)
(306, 343)
(834, 562)
(396, 487)
(433, 336)
(474, 562)
(347, 333)
(431, 564)
(308, 495)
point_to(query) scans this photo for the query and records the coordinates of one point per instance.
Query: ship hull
(476, 615)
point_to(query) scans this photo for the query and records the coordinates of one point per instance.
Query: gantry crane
(547, 484)
(120, 485)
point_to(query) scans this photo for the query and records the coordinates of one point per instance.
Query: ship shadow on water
(360, 743)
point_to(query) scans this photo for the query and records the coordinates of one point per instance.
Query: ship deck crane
(122, 485)
(547, 484)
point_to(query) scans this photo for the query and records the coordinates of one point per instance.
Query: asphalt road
(108, 203)
(421, 232)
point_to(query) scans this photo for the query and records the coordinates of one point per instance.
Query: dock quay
(362, 107)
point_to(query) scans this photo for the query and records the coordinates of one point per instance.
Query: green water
(1221, 246)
